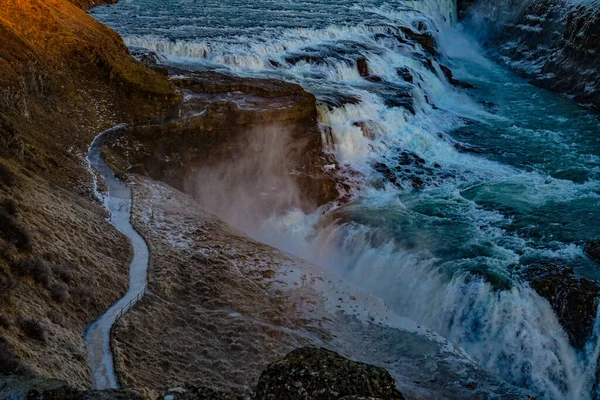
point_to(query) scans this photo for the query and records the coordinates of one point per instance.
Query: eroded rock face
(254, 139)
(316, 373)
(574, 300)
(556, 43)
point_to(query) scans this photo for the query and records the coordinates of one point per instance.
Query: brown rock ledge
(257, 137)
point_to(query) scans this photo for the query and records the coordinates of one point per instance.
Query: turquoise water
(508, 174)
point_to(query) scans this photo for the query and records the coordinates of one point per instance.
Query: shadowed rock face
(556, 43)
(258, 136)
(574, 300)
(313, 373)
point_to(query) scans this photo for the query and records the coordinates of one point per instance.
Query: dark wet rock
(374, 79)
(316, 373)
(145, 56)
(592, 250)
(425, 40)
(399, 96)
(274, 64)
(334, 100)
(574, 300)
(410, 158)
(363, 67)
(405, 74)
(388, 173)
(407, 169)
(450, 76)
(400, 102)
(307, 58)
(427, 63)
(362, 64)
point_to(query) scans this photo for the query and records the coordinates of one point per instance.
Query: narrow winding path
(118, 202)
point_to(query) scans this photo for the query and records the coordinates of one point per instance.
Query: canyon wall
(555, 43)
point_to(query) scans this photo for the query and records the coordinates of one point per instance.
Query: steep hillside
(64, 77)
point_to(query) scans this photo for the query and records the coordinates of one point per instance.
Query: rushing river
(454, 192)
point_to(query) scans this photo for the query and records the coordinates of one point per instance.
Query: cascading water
(454, 190)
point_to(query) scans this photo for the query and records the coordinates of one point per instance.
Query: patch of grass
(33, 329)
(62, 272)
(36, 268)
(83, 298)
(9, 206)
(7, 285)
(59, 292)
(9, 363)
(11, 142)
(5, 322)
(13, 232)
(7, 177)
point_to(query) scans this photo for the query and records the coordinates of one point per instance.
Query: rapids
(454, 189)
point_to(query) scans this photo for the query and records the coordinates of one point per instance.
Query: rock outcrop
(556, 43)
(316, 373)
(260, 137)
(574, 300)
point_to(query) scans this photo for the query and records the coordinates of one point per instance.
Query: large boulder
(574, 300)
(316, 373)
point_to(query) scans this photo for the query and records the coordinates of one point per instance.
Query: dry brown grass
(33, 328)
(35, 268)
(64, 77)
(13, 232)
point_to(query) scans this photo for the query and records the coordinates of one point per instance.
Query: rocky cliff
(556, 43)
(237, 144)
